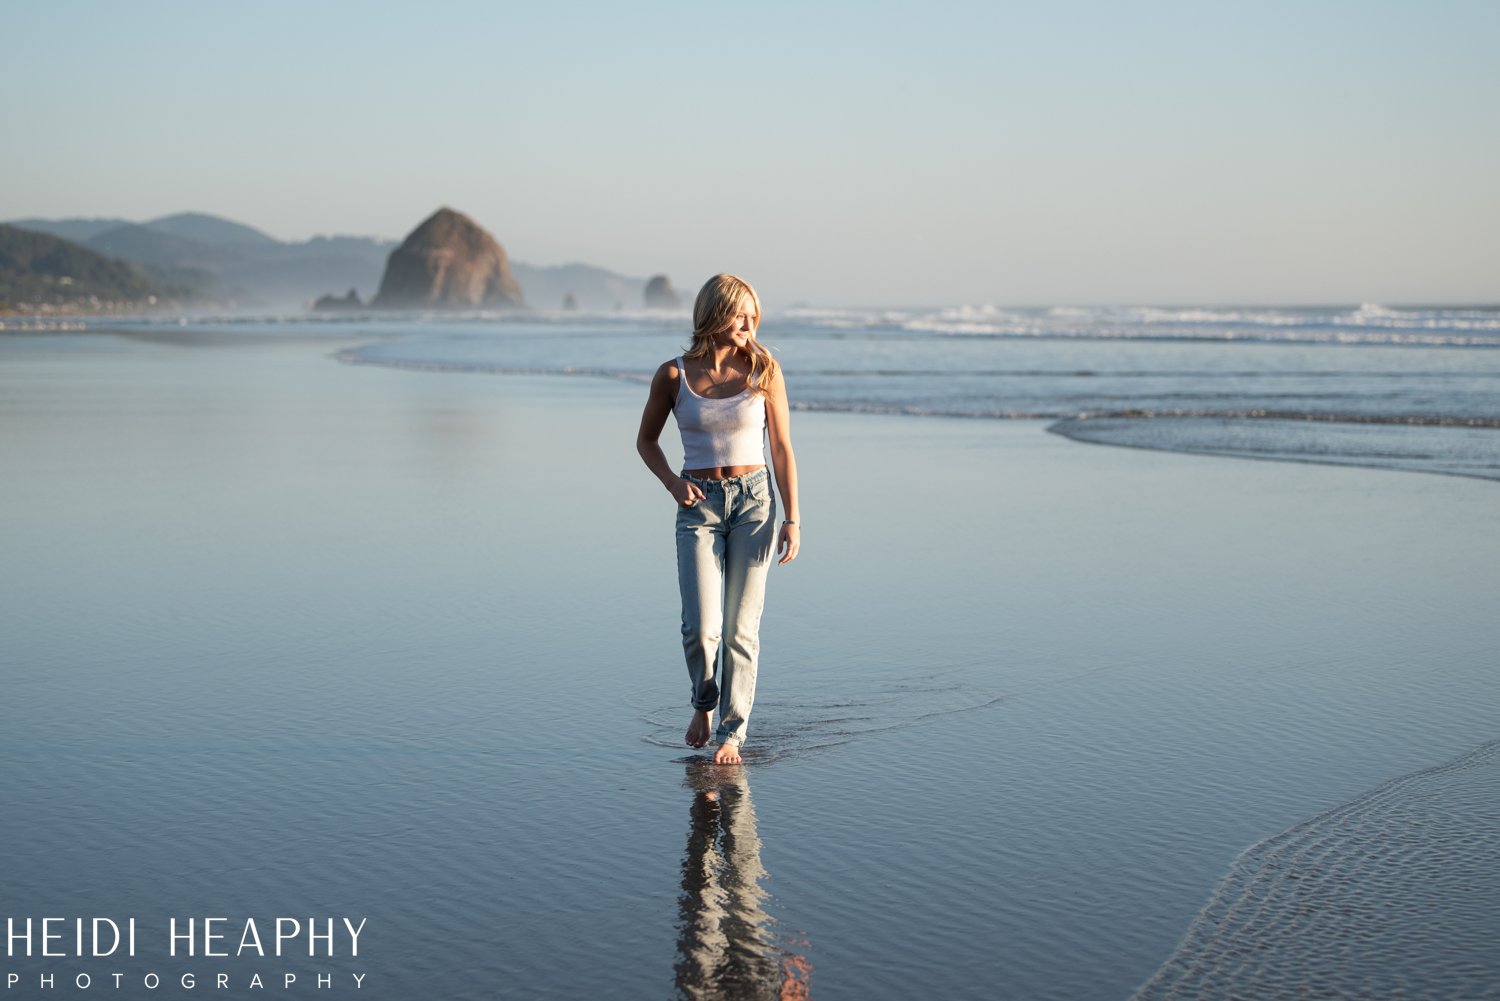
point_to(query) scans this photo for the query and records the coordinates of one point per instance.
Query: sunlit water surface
(285, 636)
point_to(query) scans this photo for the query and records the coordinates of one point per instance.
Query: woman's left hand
(788, 542)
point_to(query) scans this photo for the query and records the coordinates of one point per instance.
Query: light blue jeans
(724, 545)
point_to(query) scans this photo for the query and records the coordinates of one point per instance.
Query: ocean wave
(1391, 895)
(1366, 324)
(1437, 416)
(1467, 447)
(1334, 417)
(27, 325)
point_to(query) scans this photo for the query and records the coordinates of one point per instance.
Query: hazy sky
(859, 153)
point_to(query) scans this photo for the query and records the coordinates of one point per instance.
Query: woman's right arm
(648, 438)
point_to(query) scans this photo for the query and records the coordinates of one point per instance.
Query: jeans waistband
(743, 480)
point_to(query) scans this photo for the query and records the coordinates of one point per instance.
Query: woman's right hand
(686, 492)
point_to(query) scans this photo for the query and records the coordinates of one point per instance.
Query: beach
(288, 636)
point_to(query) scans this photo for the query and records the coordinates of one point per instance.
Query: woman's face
(742, 327)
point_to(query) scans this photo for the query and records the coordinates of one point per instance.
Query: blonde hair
(713, 314)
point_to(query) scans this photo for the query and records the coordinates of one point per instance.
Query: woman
(729, 396)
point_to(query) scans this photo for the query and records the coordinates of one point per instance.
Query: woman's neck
(722, 357)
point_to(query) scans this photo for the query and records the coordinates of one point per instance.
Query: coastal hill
(40, 272)
(77, 230)
(222, 263)
(213, 231)
(448, 262)
(219, 263)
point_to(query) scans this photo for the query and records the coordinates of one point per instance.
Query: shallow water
(1391, 895)
(291, 637)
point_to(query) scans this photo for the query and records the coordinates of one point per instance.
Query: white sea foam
(1368, 323)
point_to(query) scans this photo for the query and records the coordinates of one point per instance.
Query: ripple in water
(1395, 895)
(815, 721)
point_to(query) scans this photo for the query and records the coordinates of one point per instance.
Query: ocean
(375, 619)
(1409, 388)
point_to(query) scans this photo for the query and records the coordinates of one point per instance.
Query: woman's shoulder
(774, 379)
(667, 377)
(772, 389)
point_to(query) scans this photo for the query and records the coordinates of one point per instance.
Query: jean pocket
(761, 503)
(691, 514)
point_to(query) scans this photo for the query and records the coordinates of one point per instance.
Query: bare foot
(727, 754)
(697, 734)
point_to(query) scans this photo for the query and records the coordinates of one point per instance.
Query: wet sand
(286, 636)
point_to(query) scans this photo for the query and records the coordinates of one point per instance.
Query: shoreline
(1402, 447)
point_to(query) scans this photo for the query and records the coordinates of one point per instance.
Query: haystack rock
(660, 294)
(448, 262)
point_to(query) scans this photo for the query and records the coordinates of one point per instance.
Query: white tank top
(729, 432)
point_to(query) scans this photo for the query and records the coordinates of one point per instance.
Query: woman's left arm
(779, 429)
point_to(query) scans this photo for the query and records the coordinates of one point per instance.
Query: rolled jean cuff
(729, 738)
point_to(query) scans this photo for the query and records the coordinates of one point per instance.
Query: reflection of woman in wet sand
(728, 395)
(727, 947)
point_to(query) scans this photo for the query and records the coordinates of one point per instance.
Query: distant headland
(194, 260)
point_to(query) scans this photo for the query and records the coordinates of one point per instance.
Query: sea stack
(660, 294)
(331, 303)
(448, 262)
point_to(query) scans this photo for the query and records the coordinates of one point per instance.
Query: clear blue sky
(1078, 151)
